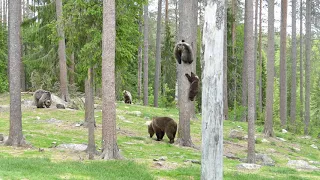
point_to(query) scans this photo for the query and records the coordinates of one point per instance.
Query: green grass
(137, 148)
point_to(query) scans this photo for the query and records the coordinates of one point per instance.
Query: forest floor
(47, 130)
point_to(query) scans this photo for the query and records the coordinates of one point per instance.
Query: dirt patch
(233, 148)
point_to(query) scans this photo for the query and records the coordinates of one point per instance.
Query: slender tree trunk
(185, 33)
(212, 92)
(140, 61)
(176, 18)
(249, 58)
(146, 46)
(15, 133)
(283, 68)
(72, 68)
(225, 65)
(293, 68)
(5, 12)
(233, 39)
(62, 53)
(260, 60)
(22, 71)
(268, 125)
(301, 64)
(109, 133)
(89, 114)
(158, 56)
(1, 12)
(308, 57)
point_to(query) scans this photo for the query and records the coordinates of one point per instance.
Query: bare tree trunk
(185, 33)
(146, 47)
(225, 65)
(308, 57)
(244, 99)
(1, 12)
(176, 17)
(89, 114)
(293, 68)
(5, 12)
(260, 60)
(268, 125)
(301, 64)
(109, 133)
(72, 68)
(249, 58)
(62, 53)
(283, 68)
(15, 133)
(212, 92)
(158, 56)
(22, 71)
(140, 63)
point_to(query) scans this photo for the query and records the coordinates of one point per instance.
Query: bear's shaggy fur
(42, 98)
(161, 126)
(194, 85)
(183, 52)
(127, 97)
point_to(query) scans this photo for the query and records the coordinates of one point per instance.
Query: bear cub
(161, 126)
(183, 52)
(194, 85)
(42, 98)
(127, 97)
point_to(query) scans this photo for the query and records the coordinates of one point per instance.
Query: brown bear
(162, 125)
(42, 98)
(183, 52)
(194, 85)
(127, 97)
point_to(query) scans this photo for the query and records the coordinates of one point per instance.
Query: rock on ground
(301, 164)
(247, 166)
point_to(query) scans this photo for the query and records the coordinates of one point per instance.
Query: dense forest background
(82, 22)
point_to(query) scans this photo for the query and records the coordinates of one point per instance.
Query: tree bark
(158, 56)
(301, 65)
(146, 47)
(307, 75)
(212, 91)
(283, 68)
(185, 33)
(268, 125)
(62, 53)
(140, 63)
(15, 133)
(293, 68)
(249, 58)
(72, 68)
(225, 65)
(109, 133)
(260, 61)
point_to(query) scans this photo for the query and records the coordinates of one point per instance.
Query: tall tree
(62, 53)
(244, 99)
(212, 91)
(15, 134)
(72, 68)
(225, 66)
(283, 68)
(249, 58)
(185, 33)
(268, 125)
(301, 65)
(109, 134)
(140, 61)
(158, 56)
(260, 60)
(293, 68)
(146, 51)
(307, 70)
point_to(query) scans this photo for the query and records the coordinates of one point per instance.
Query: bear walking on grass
(162, 125)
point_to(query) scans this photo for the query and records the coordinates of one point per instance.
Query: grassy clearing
(41, 127)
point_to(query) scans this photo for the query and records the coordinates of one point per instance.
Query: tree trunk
(249, 58)
(22, 71)
(293, 68)
(140, 62)
(308, 57)
(1, 12)
(283, 68)
(185, 33)
(301, 64)
(109, 133)
(15, 133)
(225, 66)
(176, 24)
(89, 114)
(268, 125)
(62, 53)
(212, 91)
(260, 61)
(158, 56)
(244, 99)
(72, 68)
(145, 63)
(5, 12)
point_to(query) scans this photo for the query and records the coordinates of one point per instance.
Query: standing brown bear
(194, 85)
(162, 125)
